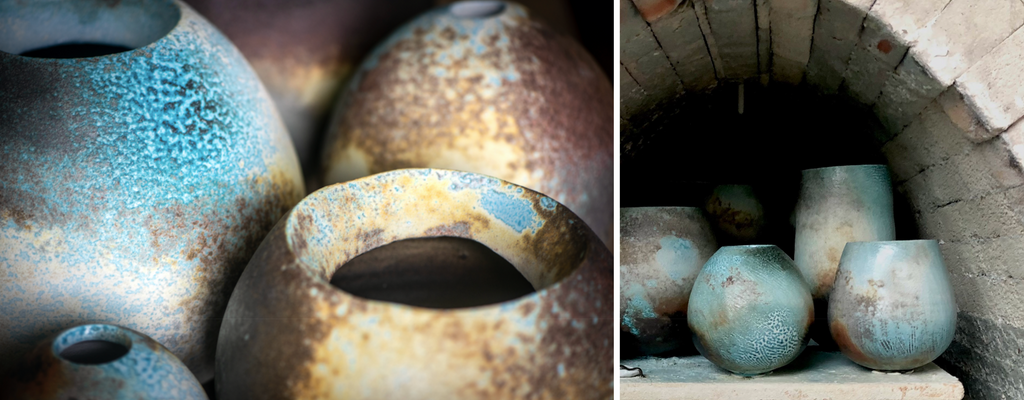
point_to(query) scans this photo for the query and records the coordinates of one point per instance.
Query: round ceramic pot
(662, 250)
(750, 310)
(136, 185)
(100, 362)
(303, 51)
(892, 308)
(736, 212)
(478, 86)
(838, 205)
(288, 333)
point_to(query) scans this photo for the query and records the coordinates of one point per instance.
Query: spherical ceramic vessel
(892, 307)
(838, 205)
(136, 185)
(303, 51)
(736, 212)
(479, 86)
(750, 310)
(288, 333)
(54, 370)
(662, 250)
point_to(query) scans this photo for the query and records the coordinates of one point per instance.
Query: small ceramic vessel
(750, 310)
(892, 308)
(736, 212)
(288, 333)
(99, 361)
(662, 251)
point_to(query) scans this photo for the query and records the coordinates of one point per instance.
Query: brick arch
(945, 78)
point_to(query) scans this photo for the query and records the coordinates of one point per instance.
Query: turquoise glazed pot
(750, 310)
(290, 334)
(892, 307)
(662, 251)
(838, 205)
(481, 86)
(54, 370)
(136, 185)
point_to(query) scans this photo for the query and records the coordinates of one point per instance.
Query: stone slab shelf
(815, 375)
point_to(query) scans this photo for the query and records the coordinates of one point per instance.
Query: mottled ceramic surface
(289, 334)
(750, 310)
(501, 95)
(147, 371)
(839, 205)
(305, 50)
(736, 212)
(662, 250)
(892, 307)
(136, 185)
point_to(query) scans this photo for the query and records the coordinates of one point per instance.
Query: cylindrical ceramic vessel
(662, 250)
(838, 205)
(136, 185)
(303, 51)
(55, 370)
(479, 86)
(288, 333)
(750, 310)
(892, 307)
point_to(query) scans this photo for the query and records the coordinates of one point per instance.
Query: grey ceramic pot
(662, 251)
(136, 185)
(100, 361)
(750, 310)
(892, 307)
(838, 205)
(483, 87)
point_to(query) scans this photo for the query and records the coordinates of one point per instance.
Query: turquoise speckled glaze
(288, 333)
(838, 205)
(662, 251)
(135, 185)
(750, 310)
(892, 307)
(146, 371)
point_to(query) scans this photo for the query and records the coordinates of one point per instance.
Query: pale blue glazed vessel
(750, 310)
(892, 307)
(135, 185)
(837, 205)
(146, 371)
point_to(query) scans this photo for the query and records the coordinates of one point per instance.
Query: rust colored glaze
(304, 51)
(323, 342)
(663, 249)
(503, 96)
(848, 346)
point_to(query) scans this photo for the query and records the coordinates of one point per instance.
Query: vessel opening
(88, 28)
(477, 9)
(92, 344)
(436, 272)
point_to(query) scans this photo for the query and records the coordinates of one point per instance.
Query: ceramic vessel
(78, 363)
(662, 250)
(750, 310)
(838, 205)
(892, 307)
(304, 51)
(479, 86)
(327, 343)
(136, 185)
(736, 212)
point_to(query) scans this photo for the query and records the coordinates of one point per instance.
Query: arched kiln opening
(752, 91)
